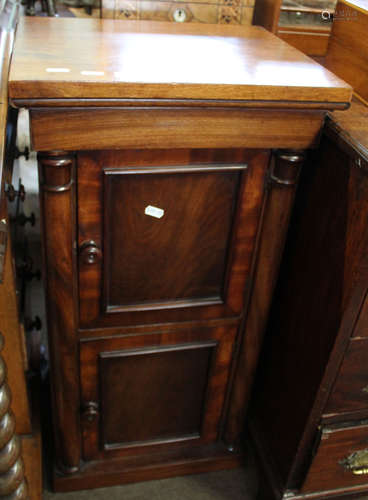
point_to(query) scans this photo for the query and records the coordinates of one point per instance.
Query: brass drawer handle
(89, 252)
(357, 462)
(361, 471)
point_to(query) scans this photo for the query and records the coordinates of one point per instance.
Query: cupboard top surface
(108, 59)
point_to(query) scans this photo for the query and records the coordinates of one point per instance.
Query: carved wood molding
(13, 484)
(286, 167)
(64, 162)
(58, 203)
(284, 174)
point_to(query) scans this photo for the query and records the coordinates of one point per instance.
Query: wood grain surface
(142, 59)
(327, 471)
(237, 265)
(350, 391)
(267, 14)
(13, 352)
(152, 128)
(309, 39)
(112, 369)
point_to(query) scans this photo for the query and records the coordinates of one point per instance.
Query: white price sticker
(154, 211)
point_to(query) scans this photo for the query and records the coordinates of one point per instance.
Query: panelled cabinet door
(166, 235)
(155, 390)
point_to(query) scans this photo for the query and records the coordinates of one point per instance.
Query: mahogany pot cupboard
(169, 156)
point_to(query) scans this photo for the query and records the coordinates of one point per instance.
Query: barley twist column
(13, 485)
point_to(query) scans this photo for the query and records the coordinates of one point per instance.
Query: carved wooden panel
(166, 235)
(154, 390)
(197, 11)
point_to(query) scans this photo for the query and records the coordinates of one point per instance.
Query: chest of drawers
(166, 189)
(312, 432)
(214, 12)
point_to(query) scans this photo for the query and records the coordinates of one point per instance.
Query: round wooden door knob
(90, 253)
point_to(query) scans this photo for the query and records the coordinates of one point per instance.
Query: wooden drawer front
(350, 391)
(334, 466)
(154, 391)
(235, 12)
(173, 241)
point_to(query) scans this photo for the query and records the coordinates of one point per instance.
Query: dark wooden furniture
(20, 446)
(164, 216)
(308, 417)
(309, 409)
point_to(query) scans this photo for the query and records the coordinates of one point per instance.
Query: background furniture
(209, 12)
(20, 446)
(347, 51)
(309, 411)
(304, 24)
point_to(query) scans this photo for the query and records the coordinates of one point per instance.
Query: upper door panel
(166, 235)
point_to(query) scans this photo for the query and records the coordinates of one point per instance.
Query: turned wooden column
(13, 484)
(57, 195)
(281, 187)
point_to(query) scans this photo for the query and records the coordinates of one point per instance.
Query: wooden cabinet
(166, 189)
(309, 411)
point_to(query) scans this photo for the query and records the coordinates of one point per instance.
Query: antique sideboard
(169, 156)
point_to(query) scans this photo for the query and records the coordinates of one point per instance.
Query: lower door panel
(154, 391)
